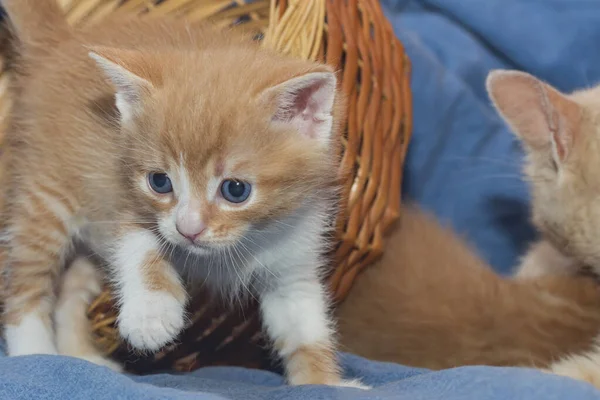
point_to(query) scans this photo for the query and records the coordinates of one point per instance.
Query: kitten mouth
(207, 247)
(201, 247)
(198, 248)
(204, 246)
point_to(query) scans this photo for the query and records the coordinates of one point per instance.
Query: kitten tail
(38, 25)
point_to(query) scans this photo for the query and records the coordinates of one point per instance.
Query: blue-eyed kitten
(172, 151)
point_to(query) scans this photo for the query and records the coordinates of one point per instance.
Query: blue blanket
(463, 165)
(48, 377)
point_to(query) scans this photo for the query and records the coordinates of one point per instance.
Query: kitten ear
(539, 114)
(127, 71)
(306, 102)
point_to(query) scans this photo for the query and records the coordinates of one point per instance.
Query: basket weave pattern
(354, 37)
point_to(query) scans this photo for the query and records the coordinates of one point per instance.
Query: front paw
(30, 336)
(152, 320)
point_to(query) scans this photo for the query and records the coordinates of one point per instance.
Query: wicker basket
(353, 36)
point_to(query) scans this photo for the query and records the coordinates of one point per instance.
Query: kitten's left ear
(540, 115)
(130, 73)
(306, 102)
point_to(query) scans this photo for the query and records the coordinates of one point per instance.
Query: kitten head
(561, 136)
(224, 144)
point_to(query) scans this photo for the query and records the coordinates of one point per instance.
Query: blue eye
(235, 191)
(160, 182)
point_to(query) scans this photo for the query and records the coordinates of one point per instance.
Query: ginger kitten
(561, 136)
(432, 302)
(174, 152)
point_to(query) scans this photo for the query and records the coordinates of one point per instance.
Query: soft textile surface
(463, 164)
(46, 377)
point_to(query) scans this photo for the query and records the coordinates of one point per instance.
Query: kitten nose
(191, 235)
(190, 225)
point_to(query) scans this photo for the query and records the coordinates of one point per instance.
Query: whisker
(257, 260)
(242, 262)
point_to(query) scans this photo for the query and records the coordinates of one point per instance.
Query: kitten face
(202, 211)
(561, 137)
(215, 163)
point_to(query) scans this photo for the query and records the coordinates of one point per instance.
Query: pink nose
(190, 225)
(190, 235)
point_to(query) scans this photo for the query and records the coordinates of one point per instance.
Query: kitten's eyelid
(236, 178)
(146, 170)
(229, 206)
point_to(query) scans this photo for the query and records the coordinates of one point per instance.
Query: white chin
(198, 250)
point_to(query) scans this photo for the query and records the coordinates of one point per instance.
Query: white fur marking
(354, 383)
(148, 319)
(31, 336)
(584, 367)
(295, 315)
(184, 191)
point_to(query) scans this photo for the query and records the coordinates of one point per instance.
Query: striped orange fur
(126, 137)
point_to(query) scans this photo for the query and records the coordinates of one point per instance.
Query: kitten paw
(151, 321)
(31, 348)
(353, 383)
(31, 336)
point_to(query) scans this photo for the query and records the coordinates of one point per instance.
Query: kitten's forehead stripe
(219, 166)
(212, 188)
(186, 191)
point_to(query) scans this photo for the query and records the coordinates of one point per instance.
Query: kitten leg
(39, 237)
(151, 294)
(80, 285)
(544, 259)
(296, 319)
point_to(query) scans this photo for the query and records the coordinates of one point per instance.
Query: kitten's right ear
(127, 70)
(305, 103)
(539, 114)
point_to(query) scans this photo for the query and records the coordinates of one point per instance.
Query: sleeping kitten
(447, 308)
(173, 151)
(561, 136)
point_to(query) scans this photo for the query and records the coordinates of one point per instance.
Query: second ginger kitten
(561, 137)
(446, 308)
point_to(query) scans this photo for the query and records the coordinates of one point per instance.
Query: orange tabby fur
(99, 110)
(431, 302)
